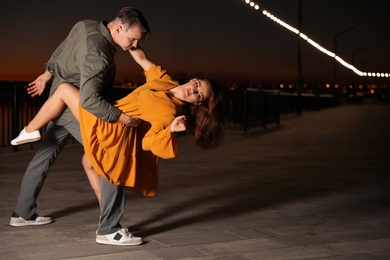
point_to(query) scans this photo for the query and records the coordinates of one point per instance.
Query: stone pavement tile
(238, 246)
(163, 254)
(32, 237)
(135, 255)
(349, 232)
(291, 253)
(219, 257)
(64, 250)
(297, 240)
(8, 256)
(313, 220)
(385, 254)
(363, 256)
(372, 246)
(194, 237)
(175, 252)
(207, 229)
(381, 222)
(269, 224)
(278, 212)
(328, 232)
(56, 250)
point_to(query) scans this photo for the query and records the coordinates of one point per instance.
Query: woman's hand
(178, 124)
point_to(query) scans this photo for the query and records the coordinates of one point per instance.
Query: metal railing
(247, 109)
(17, 109)
(253, 110)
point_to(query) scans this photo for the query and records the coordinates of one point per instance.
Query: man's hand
(129, 120)
(38, 86)
(178, 124)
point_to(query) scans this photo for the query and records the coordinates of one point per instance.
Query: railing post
(265, 108)
(245, 110)
(279, 107)
(15, 116)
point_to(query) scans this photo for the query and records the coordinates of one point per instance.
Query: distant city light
(316, 45)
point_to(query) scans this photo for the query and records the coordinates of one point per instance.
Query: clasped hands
(129, 120)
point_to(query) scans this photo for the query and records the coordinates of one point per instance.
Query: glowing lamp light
(316, 45)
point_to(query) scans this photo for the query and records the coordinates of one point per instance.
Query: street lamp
(354, 54)
(353, 62)
(364, 63)
(335, 50)
(300, 78)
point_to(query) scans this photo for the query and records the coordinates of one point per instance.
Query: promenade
(318, 187)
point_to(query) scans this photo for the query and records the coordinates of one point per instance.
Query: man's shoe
(21, 222)
(120, 238)
(25, 137)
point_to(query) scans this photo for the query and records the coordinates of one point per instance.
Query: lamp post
(300, 78)
(335, 50)
(364, 63)
(354, 54)
(353, 62)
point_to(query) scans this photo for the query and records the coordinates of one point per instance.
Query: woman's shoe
(25, 137)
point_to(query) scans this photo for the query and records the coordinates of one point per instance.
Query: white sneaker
(21, 222)
(25, 137)
(120, 238)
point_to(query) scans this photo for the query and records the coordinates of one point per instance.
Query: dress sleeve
(159, 74)
(160, 141)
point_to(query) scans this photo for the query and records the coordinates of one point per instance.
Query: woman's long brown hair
(206, 120)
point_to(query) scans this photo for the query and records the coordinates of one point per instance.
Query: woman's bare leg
(93, 177)
(66, 95)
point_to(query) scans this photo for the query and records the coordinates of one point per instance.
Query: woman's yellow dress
(128, 156)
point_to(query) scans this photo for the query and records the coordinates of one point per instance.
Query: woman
(128, 156)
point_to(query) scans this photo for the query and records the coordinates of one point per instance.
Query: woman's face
(196, 91)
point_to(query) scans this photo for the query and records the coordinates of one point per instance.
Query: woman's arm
(160, 141)
(139, 56)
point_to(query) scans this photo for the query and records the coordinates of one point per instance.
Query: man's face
(127, 39)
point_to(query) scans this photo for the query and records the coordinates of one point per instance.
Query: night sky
(223, 38)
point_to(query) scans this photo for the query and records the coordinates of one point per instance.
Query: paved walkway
(316, 188)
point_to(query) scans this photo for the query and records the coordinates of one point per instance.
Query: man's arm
(37, 86)
(92, 85)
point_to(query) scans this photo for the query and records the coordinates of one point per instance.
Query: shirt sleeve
(93, 83)
(50, 64)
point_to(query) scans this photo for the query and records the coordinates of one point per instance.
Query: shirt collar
(106, 33)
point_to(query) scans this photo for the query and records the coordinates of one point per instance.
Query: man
(84, 59)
